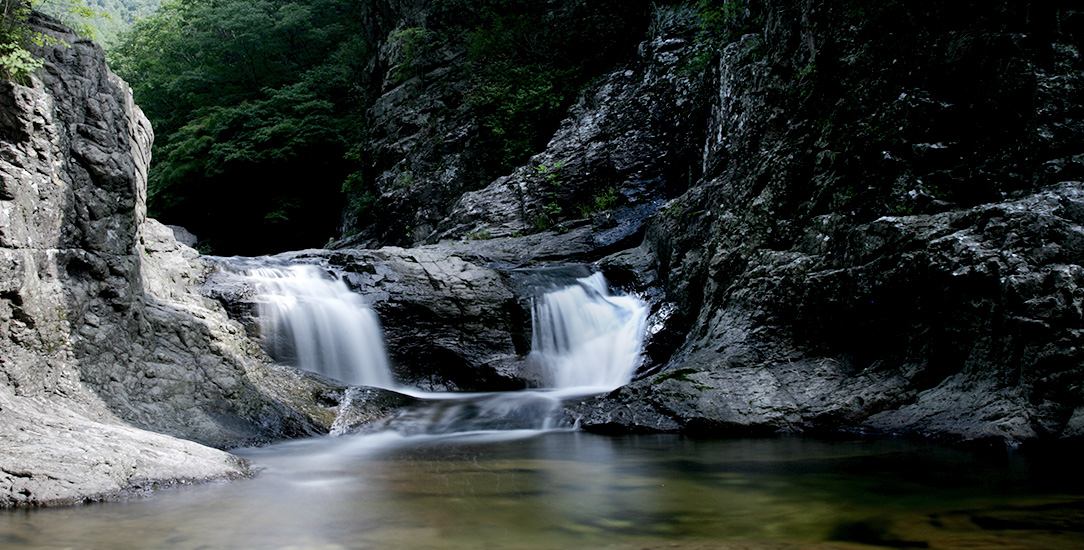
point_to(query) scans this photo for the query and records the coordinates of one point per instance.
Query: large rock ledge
(54, 455)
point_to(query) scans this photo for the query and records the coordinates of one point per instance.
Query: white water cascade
(587, 340)
(318, 324)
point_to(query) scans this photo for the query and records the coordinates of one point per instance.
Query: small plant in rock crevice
(602, 202)
(414, 43)
(479, 235)
(551, 188)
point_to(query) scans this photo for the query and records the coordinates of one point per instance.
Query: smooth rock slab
(54, 455)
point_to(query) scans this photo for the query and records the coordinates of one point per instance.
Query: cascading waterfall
(319, 325)
(586, 339)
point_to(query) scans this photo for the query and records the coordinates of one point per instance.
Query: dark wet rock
(874, 244)
(852, 218)
(366, 408)
(844, 218)
(427, 139)
(501, 411)
(958, 324)
(627, 146)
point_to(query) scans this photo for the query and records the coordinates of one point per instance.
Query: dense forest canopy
(252, 109)
(260, 106)
(100, 20)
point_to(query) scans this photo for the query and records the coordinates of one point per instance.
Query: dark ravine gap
(844, 218)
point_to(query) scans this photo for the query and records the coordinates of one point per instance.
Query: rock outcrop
(884, 236)
(847, 217)
(428, 141)
(105, 334)
(852, 218)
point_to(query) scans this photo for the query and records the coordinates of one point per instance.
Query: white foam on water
(585, 339)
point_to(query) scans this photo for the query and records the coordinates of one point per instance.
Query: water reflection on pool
(525, 490)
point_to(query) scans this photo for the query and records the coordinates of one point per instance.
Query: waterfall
(317, 324)
(585, 338)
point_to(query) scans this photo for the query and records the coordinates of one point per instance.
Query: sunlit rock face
(103, 331)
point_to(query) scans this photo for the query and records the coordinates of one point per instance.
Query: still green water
(525, 490)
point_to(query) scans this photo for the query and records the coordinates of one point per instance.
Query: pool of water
(529, 490)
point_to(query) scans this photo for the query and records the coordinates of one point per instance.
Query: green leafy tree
(102, 20)
(77, 14)
(258, 105)
(251, 101)
(16, 62)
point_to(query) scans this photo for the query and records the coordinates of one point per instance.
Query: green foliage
(414, 42)
(718, 18)
(549, 174)
(527, 60)
(16, 63)
(261, 103)
(542, 222)
(404, 179)
(102, 20)
(479, 235)
(251, 102)
(551, 191)
(719, 22)
(80, 15)
(602, 202)
(361, 205)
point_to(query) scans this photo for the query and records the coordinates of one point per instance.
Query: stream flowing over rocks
(847, 219)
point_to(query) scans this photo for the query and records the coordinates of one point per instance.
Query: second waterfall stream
(585, 340)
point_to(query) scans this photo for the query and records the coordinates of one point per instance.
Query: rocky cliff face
(104, 337)
(884, 235)
(851, 217)
(427, 137)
